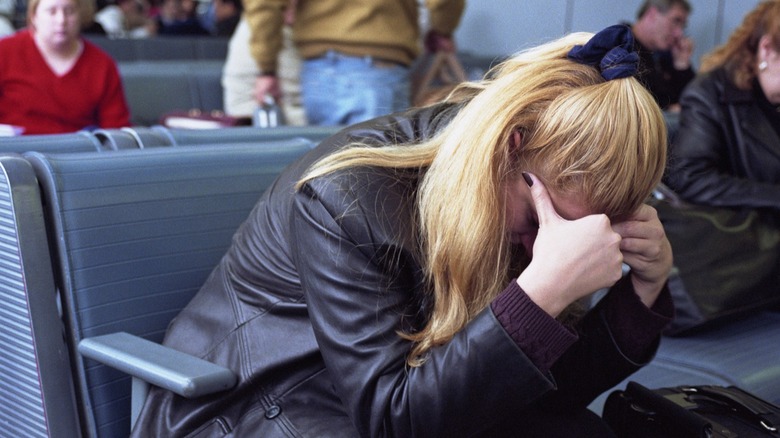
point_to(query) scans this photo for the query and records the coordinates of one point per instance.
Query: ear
(515, 140)
(765, 48)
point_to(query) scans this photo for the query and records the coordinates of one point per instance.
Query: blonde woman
(54, 81)
(418, 274)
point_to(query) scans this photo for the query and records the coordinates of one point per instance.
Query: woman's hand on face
(571, 258)
(647, 251)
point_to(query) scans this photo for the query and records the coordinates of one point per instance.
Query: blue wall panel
(501, 27)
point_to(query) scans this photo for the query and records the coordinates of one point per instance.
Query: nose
(60, 16)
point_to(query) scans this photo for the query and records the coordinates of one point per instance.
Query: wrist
(681, 65)
(540, 294)
(647, 291)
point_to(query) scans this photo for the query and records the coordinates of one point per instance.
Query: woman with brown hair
(727, 149)
(419, 274)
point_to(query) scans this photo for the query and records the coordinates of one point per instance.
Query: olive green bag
(726, 261)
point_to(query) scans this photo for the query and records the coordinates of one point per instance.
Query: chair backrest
(116, 138)
(163, 48)
(36, 391)
(81, 141)
(153, 88)
(240, 134)
(135, 234)
(136, 137)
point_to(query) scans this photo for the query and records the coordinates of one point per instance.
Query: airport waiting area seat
(37, 397)
(81, 141)
(163, 48)
(160, 136)
(240, 134)
(132, 235)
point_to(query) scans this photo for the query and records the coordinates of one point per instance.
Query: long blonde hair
(602, 139)
(738, 55)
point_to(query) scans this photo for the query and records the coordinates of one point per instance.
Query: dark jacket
(657, 73)
(725, 152)
(307, 304)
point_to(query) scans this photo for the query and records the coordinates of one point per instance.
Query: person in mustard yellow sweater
(356, 54)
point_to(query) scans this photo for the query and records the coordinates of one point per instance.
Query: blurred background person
(727, 149)
(89, 25)
(241, 72)
(664, 50)
(356, 55)
(179, 17)
(54, 81)
(126, 19)
(227, 13)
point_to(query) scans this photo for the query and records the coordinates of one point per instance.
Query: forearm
(617, 337)
(265, 19)
(539, 335)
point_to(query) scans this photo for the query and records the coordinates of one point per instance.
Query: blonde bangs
(605, 142)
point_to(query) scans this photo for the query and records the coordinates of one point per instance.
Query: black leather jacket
(726, 152)
(306, 307)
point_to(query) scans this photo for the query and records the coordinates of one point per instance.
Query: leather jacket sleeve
(711, 158)
(266, 19)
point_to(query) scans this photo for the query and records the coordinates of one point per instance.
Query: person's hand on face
(647, 251)
(682, 51)
(571, 258)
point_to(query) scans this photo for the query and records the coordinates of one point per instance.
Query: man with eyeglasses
(665, 52)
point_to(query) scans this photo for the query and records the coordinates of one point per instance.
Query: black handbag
(726, 261)
(689, 412)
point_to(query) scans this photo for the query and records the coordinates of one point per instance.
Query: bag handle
(442, 67)
(754, 411)
(446, 68)
(689, 423)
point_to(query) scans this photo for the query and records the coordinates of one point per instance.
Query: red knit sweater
(89, 96)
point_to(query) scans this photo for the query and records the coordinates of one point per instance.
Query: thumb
(545, 210)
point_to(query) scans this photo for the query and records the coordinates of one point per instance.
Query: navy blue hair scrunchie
(611, 51)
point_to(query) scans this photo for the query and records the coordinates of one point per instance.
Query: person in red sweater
(54, 81)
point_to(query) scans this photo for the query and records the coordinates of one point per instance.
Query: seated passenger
(54, 81)
(727, 149)
(178, 17)
(664, 50)
(126, 19)
(423, 280)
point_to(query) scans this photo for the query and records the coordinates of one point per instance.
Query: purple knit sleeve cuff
(634, 326)
(539, 335)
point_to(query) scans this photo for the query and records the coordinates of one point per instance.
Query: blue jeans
(342, 90)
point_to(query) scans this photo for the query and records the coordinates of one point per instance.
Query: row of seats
(163, 48)
(108, 232)
(157, 136)
(154, 88)
(102, 245)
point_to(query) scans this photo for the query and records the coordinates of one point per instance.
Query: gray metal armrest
(151, 363)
